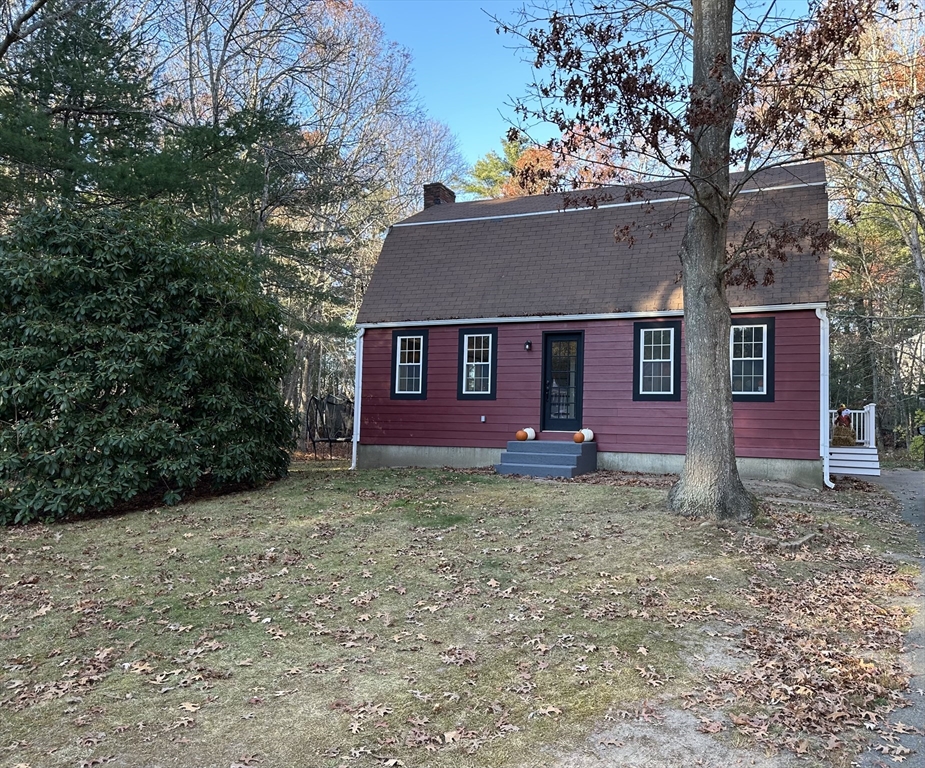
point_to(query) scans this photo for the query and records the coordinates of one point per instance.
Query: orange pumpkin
(521, 435)
(579, 437)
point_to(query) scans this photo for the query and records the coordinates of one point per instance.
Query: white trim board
(580, 318)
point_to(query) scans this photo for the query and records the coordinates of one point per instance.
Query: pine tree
(75, 113)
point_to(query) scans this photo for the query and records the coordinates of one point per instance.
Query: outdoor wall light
(528, 345)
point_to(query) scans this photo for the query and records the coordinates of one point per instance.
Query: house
(486, 317)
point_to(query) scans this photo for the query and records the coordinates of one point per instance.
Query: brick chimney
(438, 194)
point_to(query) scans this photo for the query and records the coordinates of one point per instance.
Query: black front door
(562, 363)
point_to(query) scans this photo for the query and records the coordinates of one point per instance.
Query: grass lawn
(443, 618)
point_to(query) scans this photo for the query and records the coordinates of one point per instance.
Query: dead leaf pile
(821, 646)
(624, 479)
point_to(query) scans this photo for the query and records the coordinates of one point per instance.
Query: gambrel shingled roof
(532, 256)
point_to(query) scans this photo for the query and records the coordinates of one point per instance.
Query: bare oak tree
(695, 90)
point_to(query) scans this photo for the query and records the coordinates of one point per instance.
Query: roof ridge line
(598, 207)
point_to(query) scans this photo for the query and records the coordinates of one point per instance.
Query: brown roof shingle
(532, 256)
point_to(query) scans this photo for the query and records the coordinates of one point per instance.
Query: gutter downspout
(357, 395)
(824, 395)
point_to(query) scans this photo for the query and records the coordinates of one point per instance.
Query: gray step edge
(550, 446)
(536, 470)
(522, 457)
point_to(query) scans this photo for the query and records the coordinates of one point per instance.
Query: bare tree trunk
(709, 483)
(914, 242)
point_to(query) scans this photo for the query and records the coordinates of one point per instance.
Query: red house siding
(787, 428)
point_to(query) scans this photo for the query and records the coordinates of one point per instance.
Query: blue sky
(465, 72)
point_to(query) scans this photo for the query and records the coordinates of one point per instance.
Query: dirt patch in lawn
(446, 618)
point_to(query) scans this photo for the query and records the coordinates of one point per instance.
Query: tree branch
(21, 29)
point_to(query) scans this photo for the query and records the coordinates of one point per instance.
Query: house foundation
(804, 473)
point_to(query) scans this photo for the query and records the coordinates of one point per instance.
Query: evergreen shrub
(131, 362)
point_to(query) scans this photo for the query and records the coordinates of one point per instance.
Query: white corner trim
(676, 199)
(357, 395)
(824, 423)
(764, 308)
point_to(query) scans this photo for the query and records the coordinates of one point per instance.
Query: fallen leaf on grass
(546, 712)
(186, 722)
(190, 706)
(246, 760)
(458, 656)
(710, 726)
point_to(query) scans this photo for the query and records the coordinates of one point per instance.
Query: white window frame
(763, 358)
(399, 365)
(670, 360)
(467, 365)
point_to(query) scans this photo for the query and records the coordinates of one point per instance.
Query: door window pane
(563, 390)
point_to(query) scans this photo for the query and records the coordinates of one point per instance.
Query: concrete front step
(537, 470)
(559, 447)
(550, 458)
(522, 457)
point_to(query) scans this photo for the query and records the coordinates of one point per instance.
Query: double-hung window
(751, 359)
(409, 365)
(657, 360)
(478, 360)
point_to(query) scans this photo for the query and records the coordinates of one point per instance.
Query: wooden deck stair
(548, 458)
(861, 461)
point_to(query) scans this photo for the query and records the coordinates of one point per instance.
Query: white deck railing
(864, 424)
